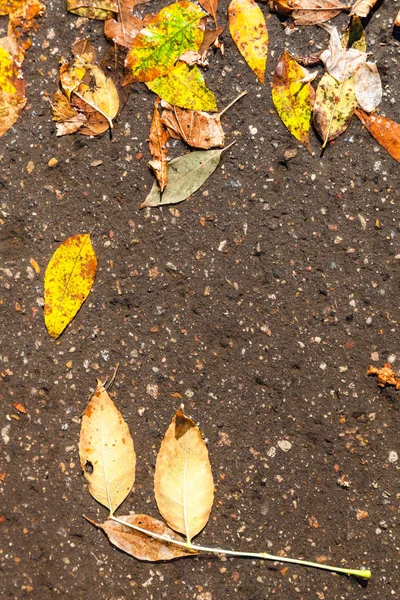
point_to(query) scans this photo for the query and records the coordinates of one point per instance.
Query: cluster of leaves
(22, 14)
(183, 486)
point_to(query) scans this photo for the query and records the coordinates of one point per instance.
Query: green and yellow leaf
(293, 98)
(173, 31)
(67, 282)
(249, 32)
(185, 87)
(106, 451)
(334, 107)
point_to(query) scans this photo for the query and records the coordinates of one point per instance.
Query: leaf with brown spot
(385, 131)
(140, 545)
(183, 481)
(106, 451)
(157, 142)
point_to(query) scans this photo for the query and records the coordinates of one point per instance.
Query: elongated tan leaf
(157, 142)
(67, 282)
(103, 98)
(140, 545)
(106, 451)
(183, 481)
(362, 8)
(312, 12)
(185, 175)
(368, 87)
(385, 131)
(250, 34)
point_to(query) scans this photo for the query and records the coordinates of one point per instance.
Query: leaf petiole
(362, 573)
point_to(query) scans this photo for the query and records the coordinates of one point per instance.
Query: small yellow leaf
(183, 481)
(67, 282)
(250, 34)
(293, 98)
(106, 451)
(184, 87)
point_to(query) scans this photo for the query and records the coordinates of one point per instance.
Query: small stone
(96, 163)
(288, 154)
(393, 456)
(284, 445)
(52, 162)
(375, 356)
(271, 452)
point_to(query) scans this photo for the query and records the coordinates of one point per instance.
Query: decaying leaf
(354, 36)
(210, 37)
(173, 31)
(340, 62)
(67, 282)
(183, 481)
(249, 32)
(12, 82)
(10, 6)
(362, 8)
(69, 120)
(93, 9)
(124, 30)
(101, 95)
(140, 545)
(385, 131)
(195, 127)
(106, 451)
(157, 142)
(334, 107)
(386, 375)
(308, 12)
(186, 174)
(368, 87)
(22, 13)
(211, 6)
(184, 87)
(293, 98)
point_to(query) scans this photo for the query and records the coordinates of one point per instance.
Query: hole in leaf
(88, 467)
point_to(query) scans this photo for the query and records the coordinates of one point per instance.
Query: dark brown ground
(299, 298)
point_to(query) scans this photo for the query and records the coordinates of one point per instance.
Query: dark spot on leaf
(88, 467)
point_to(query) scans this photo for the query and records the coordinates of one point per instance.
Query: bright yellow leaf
(185, 87)
(12, 82)
(67, 282)
(250, 34)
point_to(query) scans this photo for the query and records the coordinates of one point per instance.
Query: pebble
(284, 445)
(271, 452)
(393, 456)
(52, 162)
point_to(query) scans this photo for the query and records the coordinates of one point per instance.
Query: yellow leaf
(10, 6)
(183, 482)
(93, 9)
(184, 87)
(67, 282)
(12, 82)
(250, 34)
(334, 107)
(103, 97)
(173, 31)
(106, 451)
(293, 98)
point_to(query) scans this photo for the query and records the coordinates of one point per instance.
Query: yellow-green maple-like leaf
(293, 98)
(250, 34)
(173, 31)
(334, 107)
(185, 87)
(67, 282)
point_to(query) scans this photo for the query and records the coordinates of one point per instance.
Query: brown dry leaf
(385, 131)
(308, 12)
(24, 15)
(211, 6)
(386, 375)
(157, 142)
(140, 545)
(12, 82)
(183, 481)
(106, 451)
(93, 9)
(210, 38)
(69, 120)
(124, 30)
(362, 8)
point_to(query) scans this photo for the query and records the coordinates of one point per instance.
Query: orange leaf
(385, 131)
(158, 149)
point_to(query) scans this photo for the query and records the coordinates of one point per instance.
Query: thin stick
(364, 573)
(232, 103)
(95, 108)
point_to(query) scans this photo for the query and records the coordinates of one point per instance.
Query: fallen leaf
(334, 107)
(67, 282)
(140, 545)
(93, 9)
(211, 6)
(184, 87)
(249, 32)
(12, 82)
(210, 37)
(101, 95)
(281, 7)
(368, 87)
(386, 375)
(173, 31)
(124, 30)
(69, 120)
(293, 98)
(10, 6)
(183, 481)
(22, 13)
(308, 12)
(339, 62)
(186, 174)
(20, 407)
(106, 451)
(362, 8)
(354, 36)
(157, 142)
(385, 131)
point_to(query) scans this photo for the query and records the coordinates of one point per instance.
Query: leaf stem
(364, 573)
(232, 103)
(95, 108)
